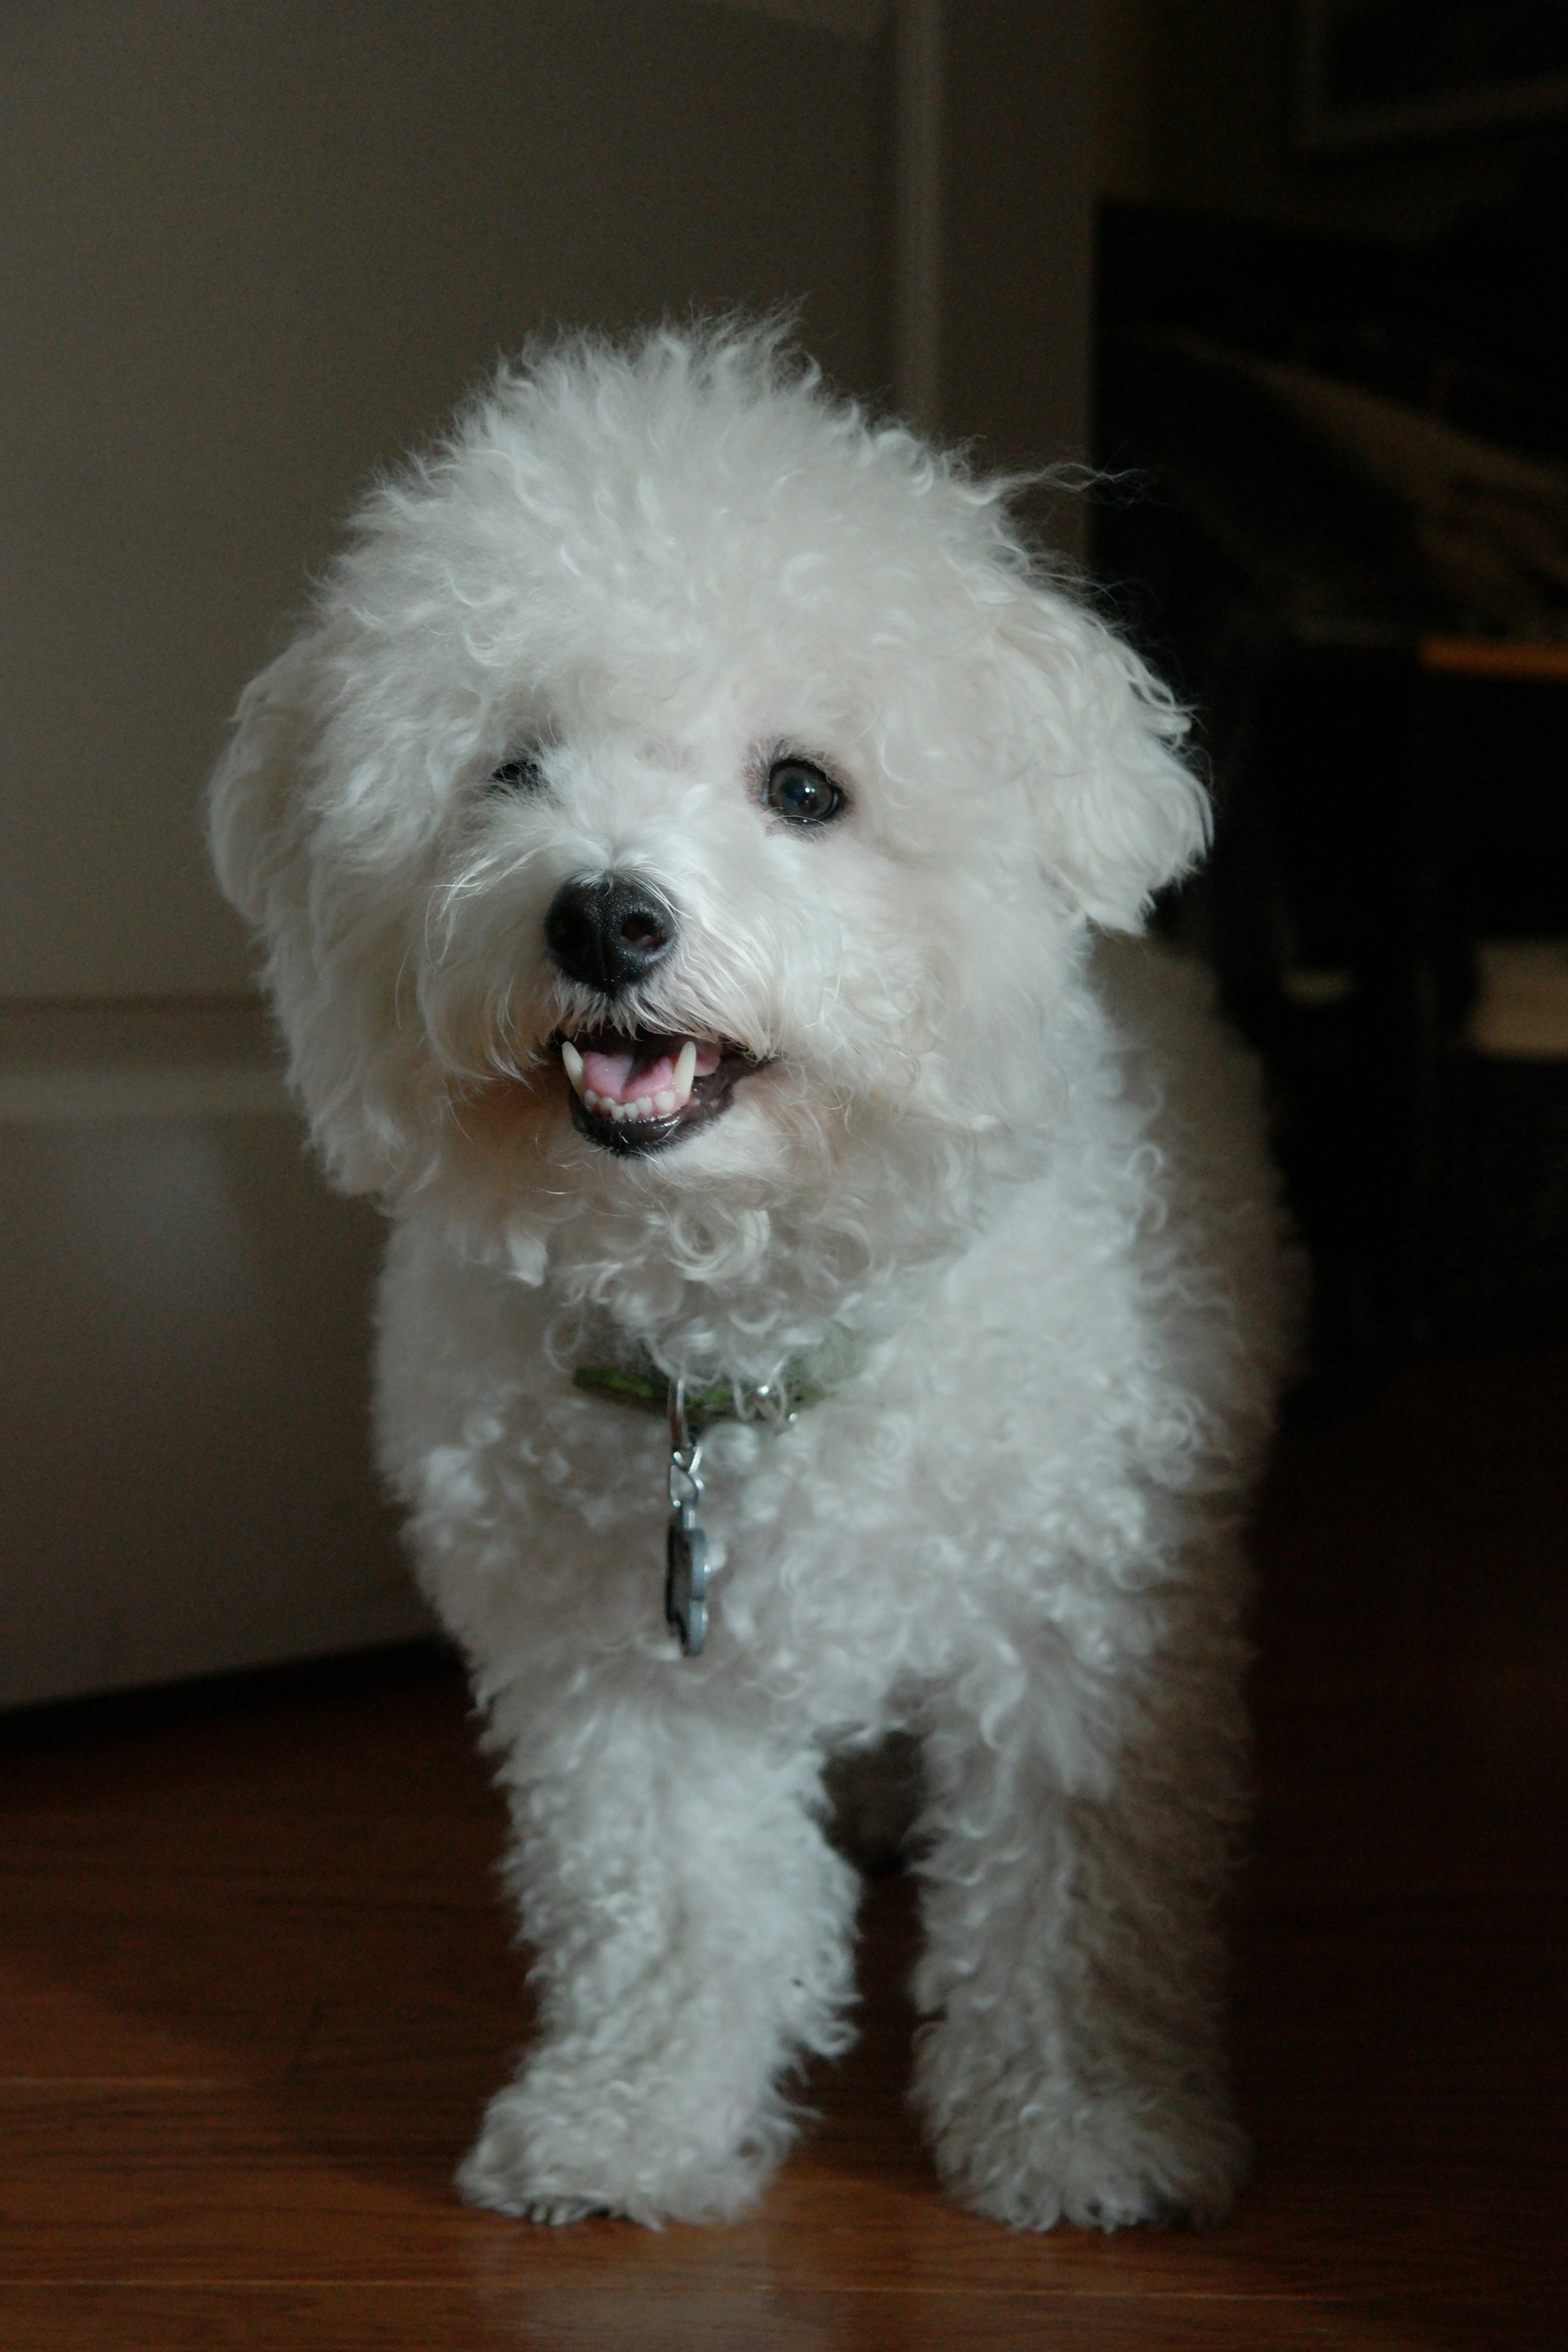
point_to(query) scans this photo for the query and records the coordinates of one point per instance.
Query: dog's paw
(1110, 2163)
(553, 2212)
(547, 2153)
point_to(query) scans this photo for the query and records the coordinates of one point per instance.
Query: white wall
(1019, 228)
(251, 252)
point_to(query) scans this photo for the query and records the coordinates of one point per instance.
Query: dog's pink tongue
(626, 1076)
(610, 1074)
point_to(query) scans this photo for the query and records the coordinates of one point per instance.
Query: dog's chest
(962, 1472)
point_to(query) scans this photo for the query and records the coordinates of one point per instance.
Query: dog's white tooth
(571, 1062)
(664, 1102)
(685, 1071)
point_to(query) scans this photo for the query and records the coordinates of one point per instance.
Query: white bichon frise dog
(685, 838)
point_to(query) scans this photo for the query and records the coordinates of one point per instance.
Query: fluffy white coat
(997, 1172)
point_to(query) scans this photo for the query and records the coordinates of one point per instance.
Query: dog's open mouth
(638, 1090)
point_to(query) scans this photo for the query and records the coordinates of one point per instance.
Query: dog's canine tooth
(571, 1062)
(685, 1071)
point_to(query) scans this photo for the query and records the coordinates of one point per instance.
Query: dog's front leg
(1071, 2067)
(691, 1927)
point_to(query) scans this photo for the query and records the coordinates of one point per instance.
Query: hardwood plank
(371, 2317)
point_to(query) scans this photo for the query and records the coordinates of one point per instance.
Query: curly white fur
(1010, 1176)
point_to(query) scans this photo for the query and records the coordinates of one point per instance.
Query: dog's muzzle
(633, 1090)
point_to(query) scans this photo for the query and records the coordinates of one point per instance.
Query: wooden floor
(254, 1987)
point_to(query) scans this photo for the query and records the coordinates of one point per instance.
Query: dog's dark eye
(523, 772)
(799, 791)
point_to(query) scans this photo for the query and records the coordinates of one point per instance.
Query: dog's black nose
(608, 929)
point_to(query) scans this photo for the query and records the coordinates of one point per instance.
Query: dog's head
(683, 781)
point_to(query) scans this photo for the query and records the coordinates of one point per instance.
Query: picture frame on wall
(1375, 72)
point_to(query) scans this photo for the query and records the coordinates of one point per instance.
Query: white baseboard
(184, 1476)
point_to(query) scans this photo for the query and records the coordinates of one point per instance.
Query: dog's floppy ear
(254, 815)
(1118, 814)
(332, 956)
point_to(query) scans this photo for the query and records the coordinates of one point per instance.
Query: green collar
(805, 1381)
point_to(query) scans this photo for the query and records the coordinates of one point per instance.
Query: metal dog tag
(685, 1581)
(685, 1545)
